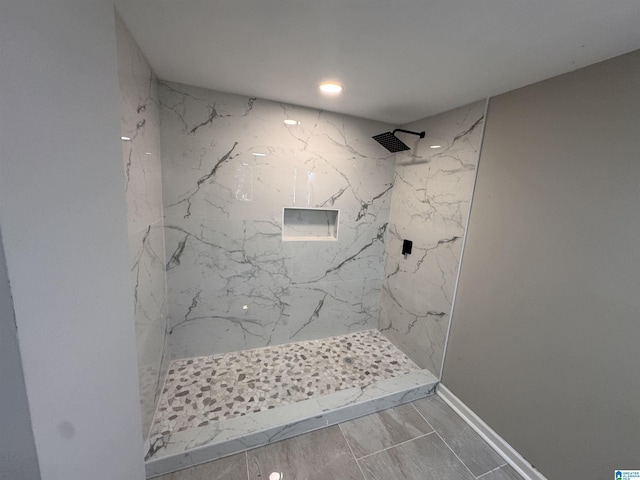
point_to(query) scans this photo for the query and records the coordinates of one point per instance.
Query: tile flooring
(421, 440)
(202, 390)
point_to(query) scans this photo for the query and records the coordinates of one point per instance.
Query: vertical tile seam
(443, 441)
(353, 455)
(456, 455)
(464, 241)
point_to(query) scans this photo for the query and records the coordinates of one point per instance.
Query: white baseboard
(506, 451)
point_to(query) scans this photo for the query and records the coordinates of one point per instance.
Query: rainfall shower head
(392, 143)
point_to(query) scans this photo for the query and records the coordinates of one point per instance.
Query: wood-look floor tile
(384, 429)
(424, 458)
(320, 455)
(503, 473)
(466, 443)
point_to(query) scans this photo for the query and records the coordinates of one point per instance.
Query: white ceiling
(399, 60)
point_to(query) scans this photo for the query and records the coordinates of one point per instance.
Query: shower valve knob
(406, 247)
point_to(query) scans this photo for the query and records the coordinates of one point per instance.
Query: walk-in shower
(253, 324)
(273, 301)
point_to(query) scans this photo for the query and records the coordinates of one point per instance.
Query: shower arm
(420, 134)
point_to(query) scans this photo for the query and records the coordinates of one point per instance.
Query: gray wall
(18, 457)
(545, 331)
(64, 227)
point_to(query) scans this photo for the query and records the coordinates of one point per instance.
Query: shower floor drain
(348, 360)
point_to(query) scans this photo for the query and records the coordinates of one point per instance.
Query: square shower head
(389, 141)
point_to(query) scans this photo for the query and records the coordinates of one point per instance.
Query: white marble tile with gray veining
(147, 267)
(140, 129)
(230, 165)
(431, 196)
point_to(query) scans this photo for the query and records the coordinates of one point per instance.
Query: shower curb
(182, 450)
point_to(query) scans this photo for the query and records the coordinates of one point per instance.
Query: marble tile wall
(431, 195)
(141, 160)
(229, 166)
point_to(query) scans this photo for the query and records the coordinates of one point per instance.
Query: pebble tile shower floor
(202, 390)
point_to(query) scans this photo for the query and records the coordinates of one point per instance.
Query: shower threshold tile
(193, 446)
(228, 468)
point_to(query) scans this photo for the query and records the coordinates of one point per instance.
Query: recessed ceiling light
(289, 121)
(435, 146)
(330, 87)
(257, 154)
(126, 139)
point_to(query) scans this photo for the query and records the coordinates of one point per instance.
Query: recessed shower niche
(309, 224)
